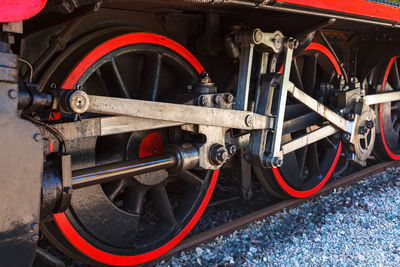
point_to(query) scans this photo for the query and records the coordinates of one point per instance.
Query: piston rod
(120, 170)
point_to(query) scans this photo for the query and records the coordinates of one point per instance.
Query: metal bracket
(272, 40)
(21, 165)
(275, 158)
(214, 135)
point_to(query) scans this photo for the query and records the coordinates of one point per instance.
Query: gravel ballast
(357, 225)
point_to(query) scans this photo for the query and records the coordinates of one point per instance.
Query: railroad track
(241, 222)
(260, 214)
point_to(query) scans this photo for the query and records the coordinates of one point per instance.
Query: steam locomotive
(116, 116)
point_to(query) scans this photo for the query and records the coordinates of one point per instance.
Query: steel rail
(241, 222)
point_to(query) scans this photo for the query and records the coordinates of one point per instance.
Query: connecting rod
(177, 159)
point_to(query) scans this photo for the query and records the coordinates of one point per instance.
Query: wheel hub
(145, 144)
(364, 136)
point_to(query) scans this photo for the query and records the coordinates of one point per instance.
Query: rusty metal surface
(21, 162)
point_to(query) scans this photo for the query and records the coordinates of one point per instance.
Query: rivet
(12, 93)
(249, 120)
(217, 100)
(203, 100)
(229, 98)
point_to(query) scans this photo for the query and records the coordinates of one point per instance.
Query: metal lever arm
(274, 159)
(179, 113)
(324, 111)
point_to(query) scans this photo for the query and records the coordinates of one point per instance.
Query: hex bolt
(278, 162)
(37, 137)
(218, 100)
(229, 98)
(35, 238)
(203, 100)
(363, 130)
(12, 93)
(346, 137)
(293, 43)
(222, 155)
(249, 120)
(218, 154)
(231, 149)
(370, 124)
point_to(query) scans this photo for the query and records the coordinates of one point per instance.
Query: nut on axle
(74, 101)
(218, 154)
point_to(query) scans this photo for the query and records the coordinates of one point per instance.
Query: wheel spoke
(112, 189)
(163, 206)
(133, 199)
(121, 83)
(297, 75)
(396, 126)
(139, 77)
(395, 106)
(301, 159)
(190, 177)
(102, 83)
(156, 76)
(310, 73)
(395, 117)
(328, 143)
(394, 77)
(312, 160)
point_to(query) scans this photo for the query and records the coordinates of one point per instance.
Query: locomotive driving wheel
(137, 219)
(385, 78)
(306, 170)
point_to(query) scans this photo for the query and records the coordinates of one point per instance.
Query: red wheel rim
(277, 174)
(62, 220)
(385, 144)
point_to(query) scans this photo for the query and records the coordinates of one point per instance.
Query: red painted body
(17, 10)
(363, 8)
